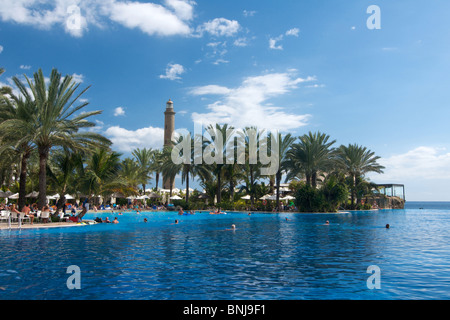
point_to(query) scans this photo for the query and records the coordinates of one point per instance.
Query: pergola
(392, 190)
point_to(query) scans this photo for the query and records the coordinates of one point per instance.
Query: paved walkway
(39, 225)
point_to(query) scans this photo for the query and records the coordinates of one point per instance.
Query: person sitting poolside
(28, 212)
(45, 209)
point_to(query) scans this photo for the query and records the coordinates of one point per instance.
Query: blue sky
(296, 66)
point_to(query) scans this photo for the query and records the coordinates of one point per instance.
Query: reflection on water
(267, 257)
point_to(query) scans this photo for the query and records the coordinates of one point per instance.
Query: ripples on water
(267, 257)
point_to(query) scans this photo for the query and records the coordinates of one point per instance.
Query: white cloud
(219, 61)
(247, 13)
(421, 163)
(78, 78)
(150, 18)
(45, 14)
(273, 43)
(219, 27)
(173, 71)
(210, 89)
(75, 16)
(25, 67)
(293, 32)
(119, 111)
(241, 42)
(127, 140)
(248, 105)
(1, 49)
(183, 9)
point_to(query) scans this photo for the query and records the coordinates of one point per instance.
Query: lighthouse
(169, 128)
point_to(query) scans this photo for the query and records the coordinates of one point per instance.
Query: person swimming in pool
(233, 228)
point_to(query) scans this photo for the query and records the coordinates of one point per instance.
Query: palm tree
(17, 135)
(144, 161)
(168, 168)
(252, 167)
(54, 122)
(130, 173)
(218, 149)
(100, 174)
(356, 161)
(310, 156)
(61, 172)
(284, 145)
(156, 165)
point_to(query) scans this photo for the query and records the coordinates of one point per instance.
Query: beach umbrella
(288, 198)
(143, 197)
(247, 197)
(14, 196)
(68, 197)
(264, 197)
(273, 197)
(33, 194)
(175, 198)
(3, 194)
(154, 195)
(118, 195)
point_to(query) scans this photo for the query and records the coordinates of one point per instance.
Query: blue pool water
(265, 258)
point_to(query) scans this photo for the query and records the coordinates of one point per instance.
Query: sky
(375, 77)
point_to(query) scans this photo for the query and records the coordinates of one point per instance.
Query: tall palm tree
(55, 122)
(284, 145)
(156, 165)
(356, 161)
(311, 156)
(101, 173)
(130, 175)
(17, 135)
(144, 160)
(252, 167)
(168, 168)
(219, 150)
(61, 172)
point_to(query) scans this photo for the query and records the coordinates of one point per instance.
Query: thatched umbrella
(33, 194)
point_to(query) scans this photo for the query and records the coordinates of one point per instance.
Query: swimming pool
(266, 258)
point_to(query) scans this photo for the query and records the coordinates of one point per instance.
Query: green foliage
(326, 199)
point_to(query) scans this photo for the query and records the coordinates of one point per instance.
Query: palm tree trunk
(271, 183)
(187, 188)
(278, 178)
(43, 156)
(219, 188)
(353, 191)
(251, 187)
(23, 180)
(157, 181)
(314, 180)
(308, 180)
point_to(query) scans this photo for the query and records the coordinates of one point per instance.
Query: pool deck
(39, 225)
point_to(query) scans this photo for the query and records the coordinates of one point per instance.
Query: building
(169, 128)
